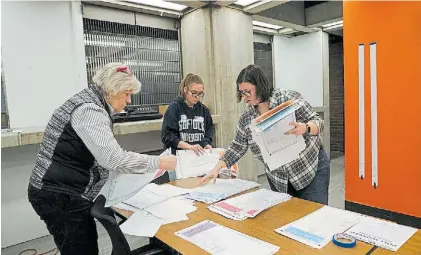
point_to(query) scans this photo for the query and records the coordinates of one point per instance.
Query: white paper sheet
(250, 204)
(191, 165)
(142, 223)
(120, 187)
(381, 233)
(317, 229)
(173, 209)
(223, 188)
(277, 148)
(153, 194)
(217, 239)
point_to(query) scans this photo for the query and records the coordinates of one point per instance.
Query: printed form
(207, 235)
(317, 229)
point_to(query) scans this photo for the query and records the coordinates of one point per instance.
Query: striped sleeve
(92, 124)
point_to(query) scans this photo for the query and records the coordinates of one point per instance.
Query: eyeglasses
(246, 93)
(197, 94)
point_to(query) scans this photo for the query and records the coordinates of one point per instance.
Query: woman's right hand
(213, 174)
(197, 149)
(167, 162)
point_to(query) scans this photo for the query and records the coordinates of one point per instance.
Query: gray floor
(44, 244)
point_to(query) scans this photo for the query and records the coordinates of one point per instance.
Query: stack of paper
(268, 131)
(388, 235)
(223, 188)
(217, 239)
(153, 194)
(155, 205)
(148, 221)
(317, 228)
(189, 164)
(249, 205)
(120, 187)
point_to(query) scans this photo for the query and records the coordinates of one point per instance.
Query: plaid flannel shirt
(299, 172)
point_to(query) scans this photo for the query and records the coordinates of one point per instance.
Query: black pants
(68, 220)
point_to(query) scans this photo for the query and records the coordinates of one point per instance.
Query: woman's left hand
(298, 129)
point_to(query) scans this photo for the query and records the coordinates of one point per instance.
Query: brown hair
(188, 81)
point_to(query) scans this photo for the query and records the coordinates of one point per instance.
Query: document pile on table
(387, 235)
(248, 205)
(268, 131)
(317, 229)
(223, 188)
(217, 239)
(151, 209)
(189, 164)
(120, 187)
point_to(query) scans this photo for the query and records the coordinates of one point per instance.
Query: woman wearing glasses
(306, 177)
(187, 122)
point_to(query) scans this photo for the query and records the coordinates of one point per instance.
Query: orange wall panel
(396, 29)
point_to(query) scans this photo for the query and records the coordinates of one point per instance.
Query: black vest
(64, 164)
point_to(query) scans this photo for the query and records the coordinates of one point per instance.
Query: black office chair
(119, 242)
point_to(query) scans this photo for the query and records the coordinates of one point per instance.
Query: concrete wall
(43, 58)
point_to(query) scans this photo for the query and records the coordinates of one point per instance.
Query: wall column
(217, 42)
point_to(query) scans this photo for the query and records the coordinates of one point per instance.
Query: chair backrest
(106, 217)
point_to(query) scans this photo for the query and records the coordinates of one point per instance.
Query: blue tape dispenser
(344, 240)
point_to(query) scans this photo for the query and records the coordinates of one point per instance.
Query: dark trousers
(68, 220)
(318, 189)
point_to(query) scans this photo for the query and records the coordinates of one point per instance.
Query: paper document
(120, 187)
(191, 165)
(223, 188)
(276, 147)
(217, 239)
(388, 235)
(250, 204)
(142, 223)
(317, 229)
(153, 194)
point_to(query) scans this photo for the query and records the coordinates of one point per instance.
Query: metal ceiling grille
(263, 58)
(153, 55)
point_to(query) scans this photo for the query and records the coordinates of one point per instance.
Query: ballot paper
(387, 235)
(317, 228)
(249, 205)
(217, 239)
(223, 188)
(276, 147)
(189, 164)
(120, 187)
(146, 222)
(153, 194)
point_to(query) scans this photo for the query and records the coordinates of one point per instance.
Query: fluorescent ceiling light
(246, 2)
(161, 4)
(267, 25)
(286, 31)
(333, 24)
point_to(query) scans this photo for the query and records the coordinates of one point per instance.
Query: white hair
(116, 77)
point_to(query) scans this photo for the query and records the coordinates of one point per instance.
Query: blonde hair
(116, 77)
(189, 80)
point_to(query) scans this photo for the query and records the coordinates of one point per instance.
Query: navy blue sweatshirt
(193, 125)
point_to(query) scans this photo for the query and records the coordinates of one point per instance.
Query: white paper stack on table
(191, 165)
(249, 205)
(153, 206)
(317, 228)
(223, 188)
(120, 187)
(268, 131)
(387, 235)
(217, 239)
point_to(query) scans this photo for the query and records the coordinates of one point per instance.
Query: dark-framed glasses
(197, 94)
(246, 93)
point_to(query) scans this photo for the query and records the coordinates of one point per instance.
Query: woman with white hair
(76, 154)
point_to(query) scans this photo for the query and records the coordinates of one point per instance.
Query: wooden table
(263, 227)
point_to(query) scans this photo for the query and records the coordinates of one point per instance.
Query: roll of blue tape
(344, 240)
